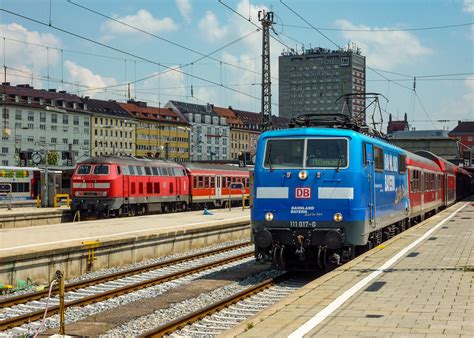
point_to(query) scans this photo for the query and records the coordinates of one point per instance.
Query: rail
(36, 315)
(183, 321)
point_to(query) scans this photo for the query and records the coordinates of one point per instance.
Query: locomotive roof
(328, 132)
(212, 166)
(131, 161)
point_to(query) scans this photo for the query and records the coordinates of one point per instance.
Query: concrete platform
(19, 217)
(419, 284)
(37, 252)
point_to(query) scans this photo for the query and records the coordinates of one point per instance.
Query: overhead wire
(382, 29)
(122, 51)
(373, 69)
(250, 21)
(156, 36)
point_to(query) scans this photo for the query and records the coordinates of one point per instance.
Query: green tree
(52, 158)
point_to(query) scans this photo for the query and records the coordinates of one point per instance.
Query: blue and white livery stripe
(335, 193)
(272, 192)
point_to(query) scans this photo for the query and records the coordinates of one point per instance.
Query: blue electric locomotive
(321, 193)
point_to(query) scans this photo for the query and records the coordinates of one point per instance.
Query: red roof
(152, 113)
(228, 114)
(463, 128)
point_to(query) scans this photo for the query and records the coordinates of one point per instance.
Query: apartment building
(160, 132)
(55, 124)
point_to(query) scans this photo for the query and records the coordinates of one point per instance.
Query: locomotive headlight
(269, 216)
(337, 217)
(303, 174)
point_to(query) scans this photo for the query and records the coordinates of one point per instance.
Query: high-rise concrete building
(312, 81)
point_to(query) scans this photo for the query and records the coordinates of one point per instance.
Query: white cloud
(184, 7)
(143, 20)
(468, 6)
(385, 49)
(28, 58)
(211, 28)
(85, 77)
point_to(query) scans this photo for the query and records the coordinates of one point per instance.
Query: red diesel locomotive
(130, 186)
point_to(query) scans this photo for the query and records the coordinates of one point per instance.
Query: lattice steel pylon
(266, 18)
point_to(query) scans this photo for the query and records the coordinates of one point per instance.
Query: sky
(203, 51)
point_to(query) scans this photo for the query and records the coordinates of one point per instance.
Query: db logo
(303, 193)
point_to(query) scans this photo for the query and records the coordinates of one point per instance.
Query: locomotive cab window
(84, 169)
(101, 169)
(326, 153)
(284, 153)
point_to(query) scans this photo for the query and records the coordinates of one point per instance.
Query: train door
(369, 172)
(218, 187)
(178, 186)
(422, 187)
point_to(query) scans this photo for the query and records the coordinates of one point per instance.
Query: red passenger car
(424, 186)
(216, 184)
(448, 179)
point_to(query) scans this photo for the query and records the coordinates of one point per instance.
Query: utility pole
(266, 18)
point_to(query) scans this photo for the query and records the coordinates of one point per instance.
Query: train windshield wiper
(338, 156)
(270, 165)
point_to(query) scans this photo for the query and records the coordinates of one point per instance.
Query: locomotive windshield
(323, 153)
(284, 153)
(84, 169)
(101, 169)
(320, 153)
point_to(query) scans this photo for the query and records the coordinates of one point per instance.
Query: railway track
(222, 315)
(30, 307)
